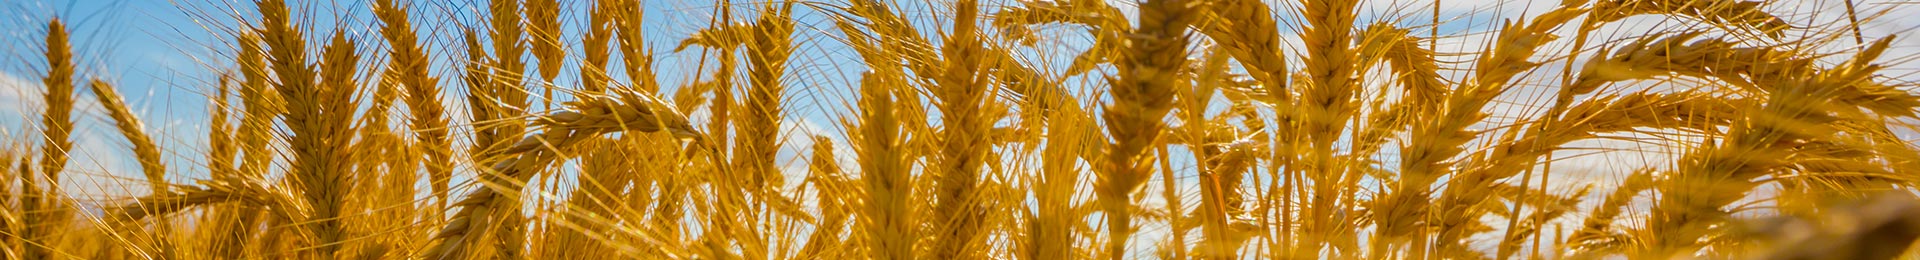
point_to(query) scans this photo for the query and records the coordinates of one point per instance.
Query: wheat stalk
(44, 212)
(1148, 75)
(1790, 113)
(10, 217)
(590, 117)
(886, 222)
(1440, 138)
(967, 112)
(221, 149)
(261, 105)
(768, 46)
(835, 195)
(1595, 232)
(129, 125)
(543, 31)
(409, 64)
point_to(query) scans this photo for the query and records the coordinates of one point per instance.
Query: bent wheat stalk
(590, 117)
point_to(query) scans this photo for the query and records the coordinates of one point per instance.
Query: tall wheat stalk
(1150, 71)
(45, 213)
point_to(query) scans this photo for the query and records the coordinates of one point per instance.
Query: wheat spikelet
(57, 127)
(169, 202)
(1324, 107)
(967, 112)
(260, 106)
(481, 96)
(1014, 20)
(129, 125)
(1247, 31)
(319, 107)
(1674, 55)
(1595, 234)
(594, 43)
(768, 46)
(409, 64)
(1106, 22)
(626, 19)
(543, 34)
(509, 68)
(57, 119)
(504, 98)
(887, 224)
(221, 149)
(835, 196)
(897, 35)
(1148, 74)
(1417, 73)
(1415, 67)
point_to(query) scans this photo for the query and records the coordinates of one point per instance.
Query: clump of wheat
(976, 135)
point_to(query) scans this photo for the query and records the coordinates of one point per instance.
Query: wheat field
(965, 129)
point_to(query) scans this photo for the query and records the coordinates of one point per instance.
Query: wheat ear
(57, 127)
(409, 63)
(1142, 95)
(144, 148)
